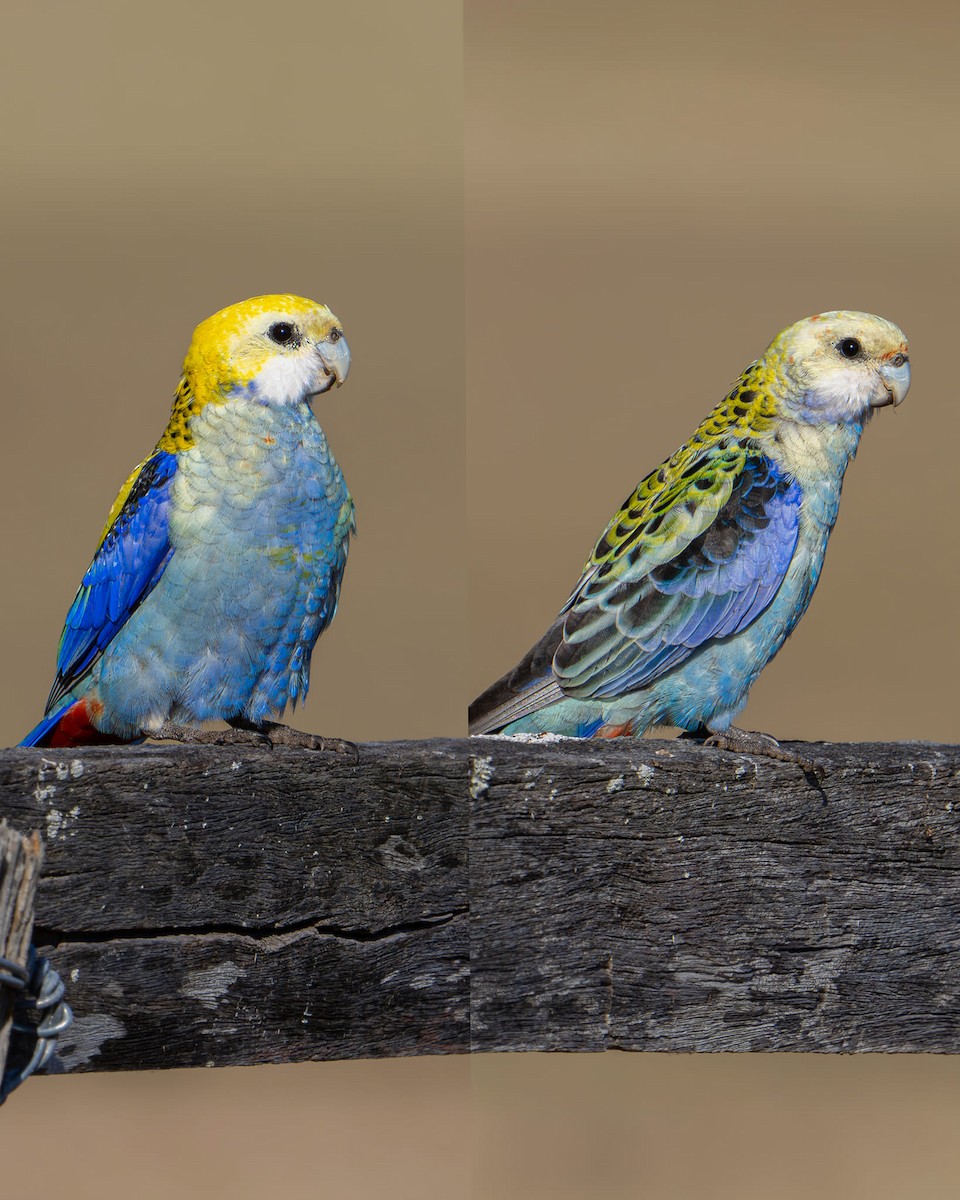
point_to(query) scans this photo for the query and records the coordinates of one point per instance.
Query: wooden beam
(228, 906)
(210, 906)
(662, 896)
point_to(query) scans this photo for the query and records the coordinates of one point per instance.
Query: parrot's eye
(849, 347)
(334, 335)
(282, 332)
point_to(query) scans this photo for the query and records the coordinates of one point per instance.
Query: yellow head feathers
(277, 350)
(231, 349)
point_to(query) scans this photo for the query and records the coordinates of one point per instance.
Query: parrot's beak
(896, 380)
(336, 362)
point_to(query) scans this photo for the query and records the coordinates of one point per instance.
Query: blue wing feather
(131, 558)
(713, 588)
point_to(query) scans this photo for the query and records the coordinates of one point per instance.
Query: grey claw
(743, 741)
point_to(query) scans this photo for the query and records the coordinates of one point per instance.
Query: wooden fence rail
(238, 906)
(657, 896)
(225, 906)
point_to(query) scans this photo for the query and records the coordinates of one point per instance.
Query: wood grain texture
(663, 896)
(240, 906)
(237, 906)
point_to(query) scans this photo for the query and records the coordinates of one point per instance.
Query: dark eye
(849, 347)
(282, 332)
(334, 335)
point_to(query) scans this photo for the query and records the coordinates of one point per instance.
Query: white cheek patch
(842, 394)
(288, 378)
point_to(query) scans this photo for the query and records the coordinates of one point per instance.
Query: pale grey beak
(896, 379)
(335, 357)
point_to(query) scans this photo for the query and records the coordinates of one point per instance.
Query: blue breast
(259, 525)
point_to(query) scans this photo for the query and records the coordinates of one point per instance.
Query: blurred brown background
(161, 162)
(653, 191)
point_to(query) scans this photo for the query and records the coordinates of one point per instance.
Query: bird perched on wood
(707, 568)
(222, 557)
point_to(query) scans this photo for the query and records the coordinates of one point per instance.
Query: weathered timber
(663, 896)
(222, 906)
(226, 906)
(21, 857)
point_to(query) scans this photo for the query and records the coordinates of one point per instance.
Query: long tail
(529, 687)
(70, 724)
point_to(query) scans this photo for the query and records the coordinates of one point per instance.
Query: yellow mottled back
(177, 436)
(682, 497)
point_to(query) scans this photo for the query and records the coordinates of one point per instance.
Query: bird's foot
(745, 741)
(169, 731)
(267, 734)
(275, 734)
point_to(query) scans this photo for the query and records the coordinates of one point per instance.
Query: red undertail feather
(615, 731)
(76, 728)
